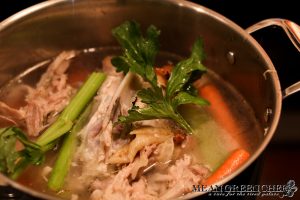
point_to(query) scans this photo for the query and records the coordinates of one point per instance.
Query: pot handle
(293, 32)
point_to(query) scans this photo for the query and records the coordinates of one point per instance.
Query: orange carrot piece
(163, 74)
(164, 70)
(232, 163)
(221, 112)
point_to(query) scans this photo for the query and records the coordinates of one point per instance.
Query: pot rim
(199, 9)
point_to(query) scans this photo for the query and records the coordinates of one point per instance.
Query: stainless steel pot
(42, 31)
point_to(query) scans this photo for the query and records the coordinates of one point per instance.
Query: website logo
(286, 190)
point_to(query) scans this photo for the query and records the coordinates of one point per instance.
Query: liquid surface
(211, 142)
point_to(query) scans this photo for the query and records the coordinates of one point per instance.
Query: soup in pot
(133, 124)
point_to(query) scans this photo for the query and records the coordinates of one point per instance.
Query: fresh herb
(13, 162)
(11, 159)
(139, 53)
(139, 57)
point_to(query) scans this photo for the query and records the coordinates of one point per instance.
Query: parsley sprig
(139, 57)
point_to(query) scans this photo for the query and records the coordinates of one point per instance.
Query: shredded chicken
(120, 186)
(96, 137)
(179, 179)
(45, 172)
(144, 136)
(44, 102)
(141, 191)
(50, 96)
(14, 116)
(92, 149)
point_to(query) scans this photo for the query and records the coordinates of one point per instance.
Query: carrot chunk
(164, 70)
(222, 113)
(163, 74)
(237, 158)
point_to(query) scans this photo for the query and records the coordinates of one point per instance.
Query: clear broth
(213, 143)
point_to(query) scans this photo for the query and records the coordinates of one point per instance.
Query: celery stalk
(64, 159)
(65, 122)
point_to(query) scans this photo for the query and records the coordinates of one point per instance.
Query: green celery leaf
(186, 98)
(162, 110)
(139, 57)
(9, 156)
(120, 64)
(139, 52)
(148, 95)
(182, 72)
(153, 111)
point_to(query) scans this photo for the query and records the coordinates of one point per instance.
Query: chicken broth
(213, 141)
(207, 148)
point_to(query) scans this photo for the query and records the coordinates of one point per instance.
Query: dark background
(280, 161)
